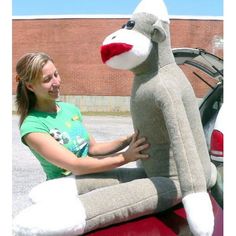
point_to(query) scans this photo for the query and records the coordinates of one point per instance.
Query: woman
(74, 163)
(54, 131)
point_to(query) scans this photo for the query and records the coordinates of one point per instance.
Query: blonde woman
(54, 131)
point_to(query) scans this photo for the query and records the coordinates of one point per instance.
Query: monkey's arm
(189, 167)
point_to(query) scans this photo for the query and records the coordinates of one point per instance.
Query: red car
(168, 223)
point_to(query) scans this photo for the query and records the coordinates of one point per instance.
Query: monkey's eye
(129, 25)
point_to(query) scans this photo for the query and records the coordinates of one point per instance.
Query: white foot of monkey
(57, 211)
(54, 189)
(51, 218)
(199, 212)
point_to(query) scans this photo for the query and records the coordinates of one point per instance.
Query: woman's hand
(136, 146)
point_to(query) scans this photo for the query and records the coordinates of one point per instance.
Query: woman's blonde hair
(28, 69)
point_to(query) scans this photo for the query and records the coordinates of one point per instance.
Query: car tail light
(217, 144)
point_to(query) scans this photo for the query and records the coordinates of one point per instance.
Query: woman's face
(47, 87)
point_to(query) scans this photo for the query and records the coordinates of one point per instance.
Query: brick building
(74, 43)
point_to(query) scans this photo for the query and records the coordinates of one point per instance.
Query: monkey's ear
(158, 34)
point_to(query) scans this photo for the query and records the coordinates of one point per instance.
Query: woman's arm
(107, 148)
(58, 155)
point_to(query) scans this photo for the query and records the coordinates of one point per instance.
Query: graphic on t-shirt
(79, 144)
(68, 124)
(76, 117)
(62, 138)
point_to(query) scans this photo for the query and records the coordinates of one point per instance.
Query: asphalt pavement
(26, 170)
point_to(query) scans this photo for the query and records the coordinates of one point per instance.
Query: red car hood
(168, 223)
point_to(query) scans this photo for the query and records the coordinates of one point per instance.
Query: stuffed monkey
(164, 110)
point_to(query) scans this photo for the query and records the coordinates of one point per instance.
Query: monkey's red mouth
(113, 49)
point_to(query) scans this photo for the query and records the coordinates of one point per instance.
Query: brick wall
(75, 43)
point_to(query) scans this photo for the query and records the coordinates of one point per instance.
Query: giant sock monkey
(164, 110)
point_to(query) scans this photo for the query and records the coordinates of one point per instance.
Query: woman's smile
(55, 91)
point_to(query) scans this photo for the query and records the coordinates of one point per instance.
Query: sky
(120, 7)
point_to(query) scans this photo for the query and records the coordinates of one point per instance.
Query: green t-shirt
(65, 126)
